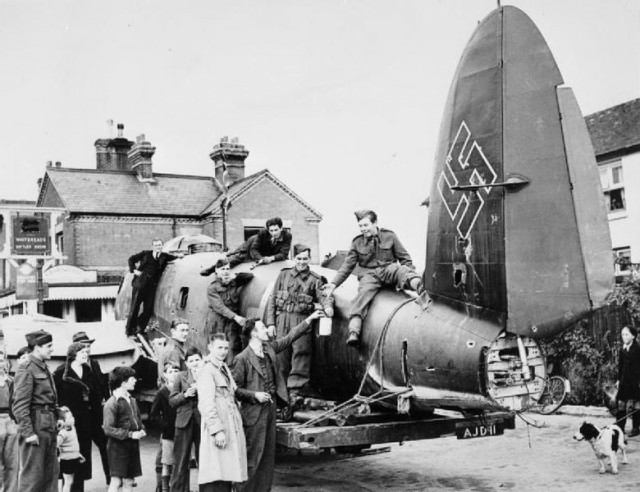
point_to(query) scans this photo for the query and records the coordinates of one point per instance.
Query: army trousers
(9, 458)
(294, 363)
(393, 275)
(40, 468)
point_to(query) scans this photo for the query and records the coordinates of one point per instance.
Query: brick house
(615, 135)
(117, 209)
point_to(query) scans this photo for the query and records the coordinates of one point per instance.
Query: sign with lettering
(469, 431)
(31, 235)
(26, 282)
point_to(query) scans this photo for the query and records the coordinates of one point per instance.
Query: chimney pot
(120, 130)
(58, 164)
(229, 155)
(49, 163)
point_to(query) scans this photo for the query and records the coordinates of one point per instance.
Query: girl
(124, 429)
(69, 447)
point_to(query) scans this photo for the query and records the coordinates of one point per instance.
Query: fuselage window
(184, 297)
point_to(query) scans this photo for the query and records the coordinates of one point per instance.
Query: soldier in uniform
(223, 295)
(35, 409)
(297, 293)
(384, 261)
(174, 349)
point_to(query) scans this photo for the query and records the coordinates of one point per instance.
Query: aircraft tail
(517, 228)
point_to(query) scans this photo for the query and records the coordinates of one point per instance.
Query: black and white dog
(605, 443)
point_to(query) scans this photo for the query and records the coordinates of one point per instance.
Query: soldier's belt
(47, 408)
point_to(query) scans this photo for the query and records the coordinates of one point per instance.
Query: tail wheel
(553, 395)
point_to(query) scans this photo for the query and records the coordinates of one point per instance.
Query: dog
(605, 443)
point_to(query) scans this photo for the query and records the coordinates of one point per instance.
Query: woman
(222, 442)
(628, 383)
(79, 390)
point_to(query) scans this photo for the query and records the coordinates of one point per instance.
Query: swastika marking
(464, 207)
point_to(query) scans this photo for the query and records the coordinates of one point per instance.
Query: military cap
(82, 337)
(300, 248)
(361, 214)
(38, 337)
(220, 263)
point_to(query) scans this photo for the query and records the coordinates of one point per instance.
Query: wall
(266, 200)
(624, 228)
(107, 242)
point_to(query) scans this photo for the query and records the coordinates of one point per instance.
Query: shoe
(634, 432)
(353, 340)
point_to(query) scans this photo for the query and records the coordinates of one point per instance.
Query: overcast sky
(340, 99)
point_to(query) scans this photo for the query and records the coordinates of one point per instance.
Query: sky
(340, 99)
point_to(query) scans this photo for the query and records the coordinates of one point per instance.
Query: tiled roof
(243, 186)
(615, 129)
(117, 192)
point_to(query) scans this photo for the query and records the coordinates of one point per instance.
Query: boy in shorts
(165, 415)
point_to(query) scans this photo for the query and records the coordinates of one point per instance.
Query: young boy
(165, 416)
(69, 447)
(123, 428)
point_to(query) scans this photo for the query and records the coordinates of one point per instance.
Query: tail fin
(517, 223)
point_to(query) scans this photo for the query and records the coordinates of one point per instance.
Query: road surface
(526, 459)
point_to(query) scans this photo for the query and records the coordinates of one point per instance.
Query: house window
(622, 257)
(612, 179)
(251, 231)
(60, 242)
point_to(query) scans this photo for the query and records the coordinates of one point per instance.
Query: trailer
(322, 429)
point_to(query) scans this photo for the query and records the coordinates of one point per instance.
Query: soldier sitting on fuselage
(384, 261)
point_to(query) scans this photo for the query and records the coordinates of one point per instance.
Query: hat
(221, 262)
(300, 248)
(82, 337)
(361, 214)
(39, 337)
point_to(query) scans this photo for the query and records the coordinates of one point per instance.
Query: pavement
(540, 454)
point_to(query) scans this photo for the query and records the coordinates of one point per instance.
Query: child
(69, 447)
(123, 428)
(165, 416)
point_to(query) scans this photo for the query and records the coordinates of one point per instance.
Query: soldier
(297, 293)
(272, 243)
(35, 409)
(174, 349)
(224, 297)
(150, 265)
(384, 262)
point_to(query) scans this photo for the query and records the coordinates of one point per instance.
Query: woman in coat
(222, 442)
(79, 390)
(629, 381)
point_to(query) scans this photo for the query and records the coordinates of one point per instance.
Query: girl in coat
(629, 381)
(222, 444)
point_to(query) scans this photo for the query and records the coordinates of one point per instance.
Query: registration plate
(470, 431)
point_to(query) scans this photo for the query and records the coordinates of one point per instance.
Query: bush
(575, 356)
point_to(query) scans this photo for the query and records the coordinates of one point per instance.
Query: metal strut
(359, 398)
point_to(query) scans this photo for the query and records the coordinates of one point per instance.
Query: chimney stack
(111, 153)
(232, 155)
(140, 159)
